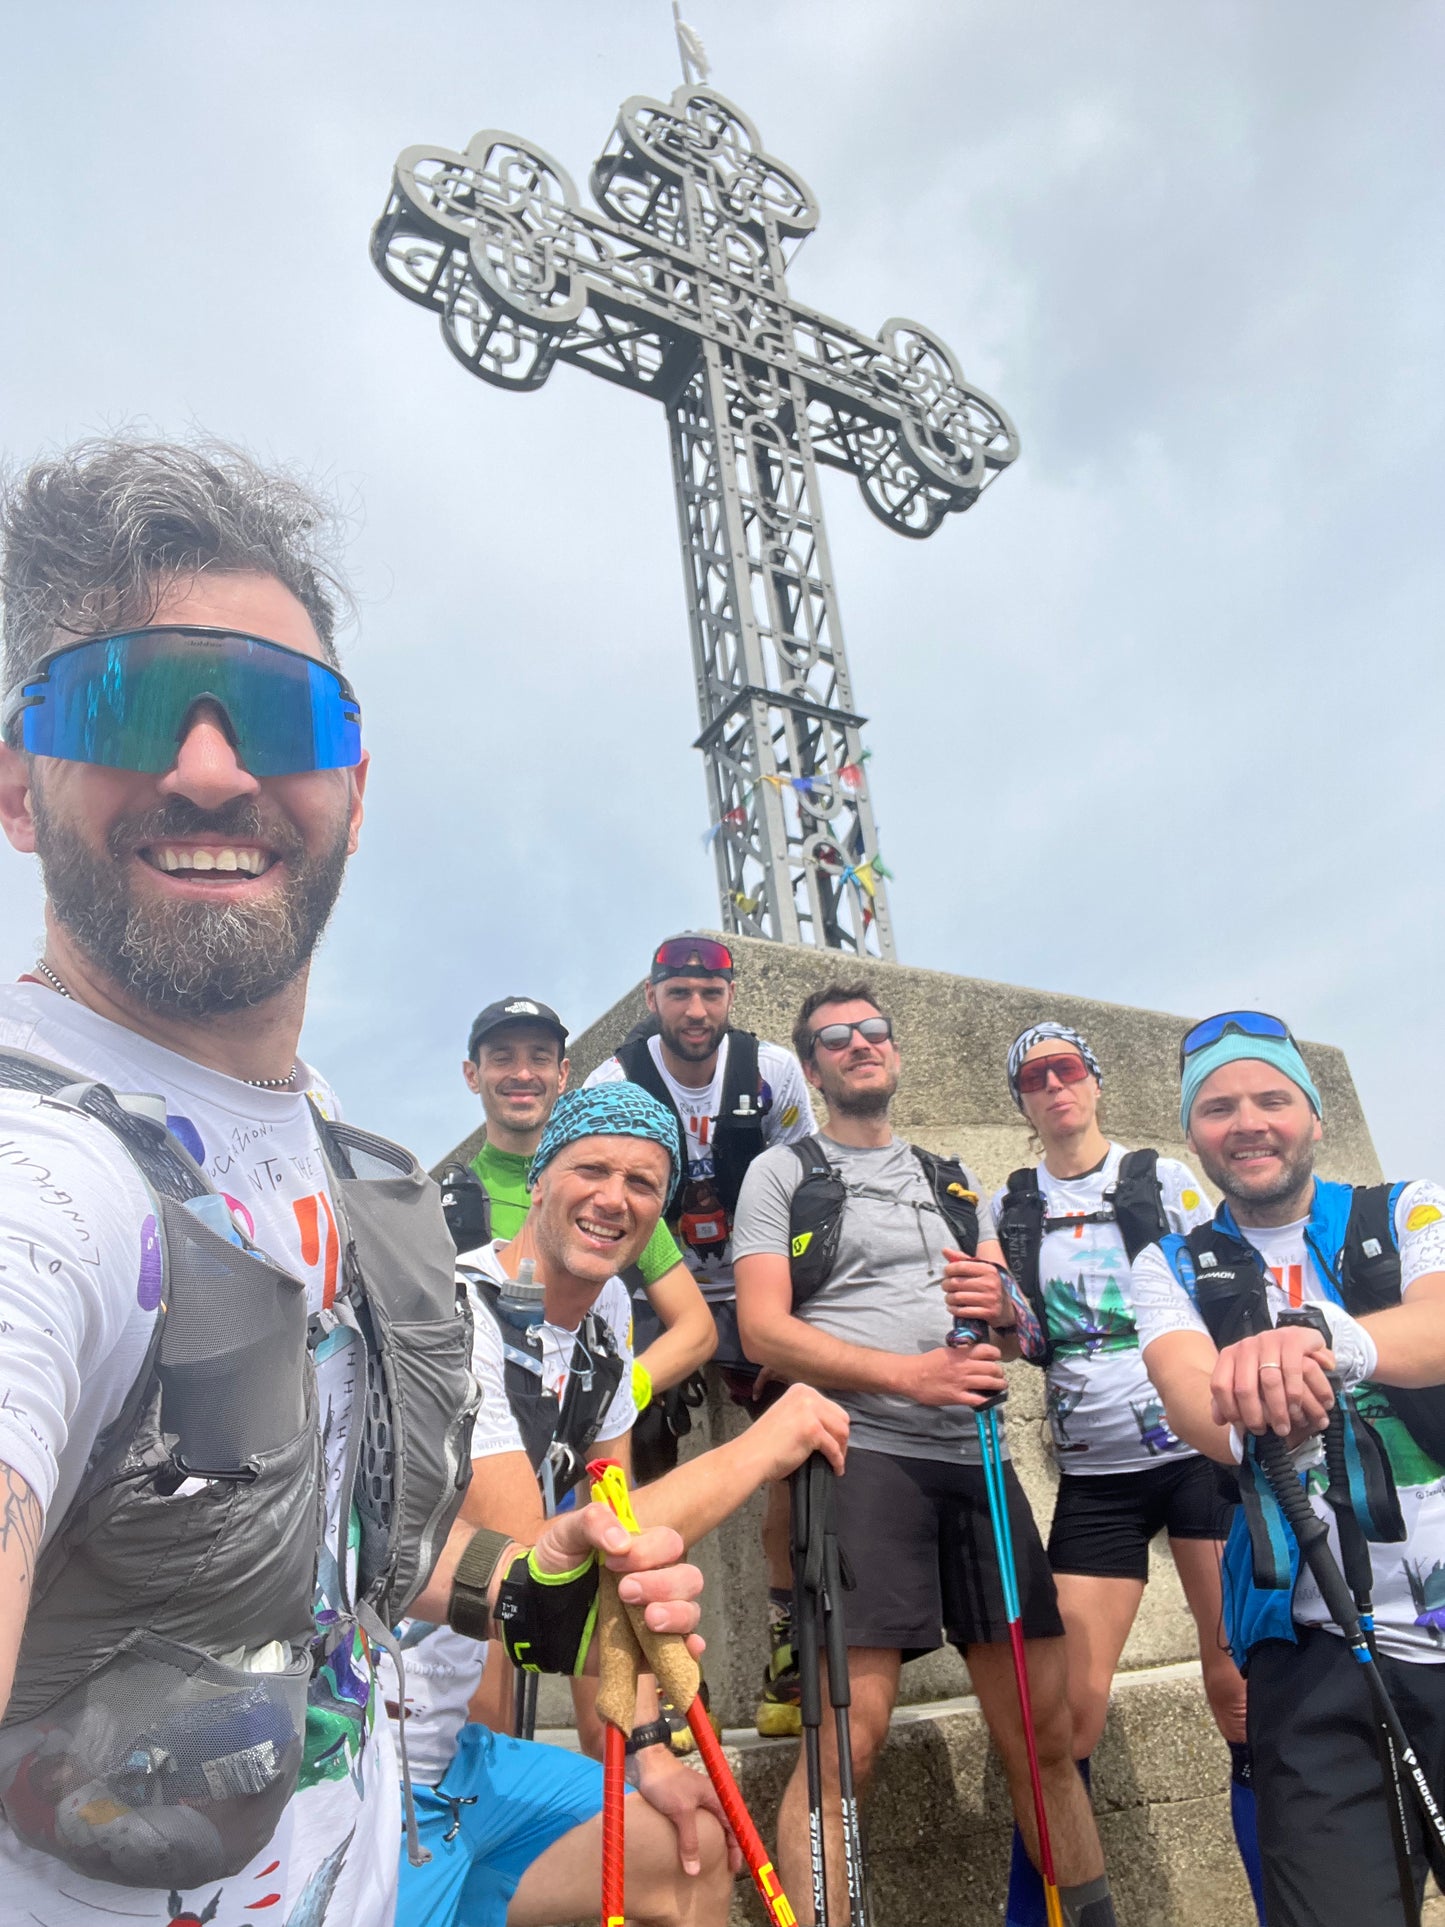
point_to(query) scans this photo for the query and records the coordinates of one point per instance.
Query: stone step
(939, 1822)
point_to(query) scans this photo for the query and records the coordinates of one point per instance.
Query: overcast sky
(1157, 721)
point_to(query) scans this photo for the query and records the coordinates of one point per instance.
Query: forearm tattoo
(21, 1523)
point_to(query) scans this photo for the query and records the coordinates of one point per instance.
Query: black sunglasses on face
(837, 1037)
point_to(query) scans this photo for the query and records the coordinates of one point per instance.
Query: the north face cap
(514, 1010)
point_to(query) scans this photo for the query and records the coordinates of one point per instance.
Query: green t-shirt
(504, 1178)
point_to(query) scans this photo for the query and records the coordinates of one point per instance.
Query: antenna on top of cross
(692, 53)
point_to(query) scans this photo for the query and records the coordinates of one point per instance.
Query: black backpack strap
(637, 1061)
(957, 1201)
(815, 1220)
(1370, 1281)
(1020, 1229)
(737, 1134)
(592, 1381)
(1231, 1292)
(1138, 1202)
(1370, 1261)
(466, 1207)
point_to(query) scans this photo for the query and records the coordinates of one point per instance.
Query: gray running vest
(135, 1747)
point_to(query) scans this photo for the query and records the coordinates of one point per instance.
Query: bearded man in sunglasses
(911, 1507)
(1360, 1270)
(234, 1391)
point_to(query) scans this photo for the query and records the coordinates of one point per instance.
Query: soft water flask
(522, 1296)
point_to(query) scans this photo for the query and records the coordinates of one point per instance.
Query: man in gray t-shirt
(911, 1508)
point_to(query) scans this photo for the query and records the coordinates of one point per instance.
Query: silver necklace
(258, 1083)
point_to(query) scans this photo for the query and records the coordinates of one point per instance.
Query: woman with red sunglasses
(1124, 1476)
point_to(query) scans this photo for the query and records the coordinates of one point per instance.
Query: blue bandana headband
(607, 1110)
(1019, 1049)
(1233, 1048)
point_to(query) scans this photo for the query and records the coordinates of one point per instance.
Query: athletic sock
(1091, 1905)
(1025, 1904)
(1241, 1814)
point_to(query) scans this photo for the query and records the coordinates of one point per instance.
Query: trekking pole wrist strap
(546, 1620)
(467, 1610)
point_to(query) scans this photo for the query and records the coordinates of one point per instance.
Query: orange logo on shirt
(1290, 1279)
(309, 1213)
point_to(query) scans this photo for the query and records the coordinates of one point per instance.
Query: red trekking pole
(626, 1644)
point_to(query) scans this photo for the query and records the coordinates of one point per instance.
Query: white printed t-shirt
(79, 1285)
(1409, 1577)
(1104, 1414)
(444, 1668)
(787, 1117)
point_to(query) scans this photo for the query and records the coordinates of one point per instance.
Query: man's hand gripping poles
(970, 1332)
(626, 1645)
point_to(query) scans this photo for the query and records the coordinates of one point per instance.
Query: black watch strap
(467, 1611)
(655, 1733)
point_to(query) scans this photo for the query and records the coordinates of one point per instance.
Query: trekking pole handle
(974, 1331)
(1311, 1532)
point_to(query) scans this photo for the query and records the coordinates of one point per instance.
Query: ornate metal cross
(676, 288)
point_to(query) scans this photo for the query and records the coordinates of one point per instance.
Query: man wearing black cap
(733, 1095)
(516, 1064)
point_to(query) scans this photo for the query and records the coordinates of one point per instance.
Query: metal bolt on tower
(677, 289)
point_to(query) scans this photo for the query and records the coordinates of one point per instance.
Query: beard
(870, 1103)
(1296, 1173)
(690, 1049)
(189, 958)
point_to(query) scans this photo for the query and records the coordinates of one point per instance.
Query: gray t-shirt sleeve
(760, 1223)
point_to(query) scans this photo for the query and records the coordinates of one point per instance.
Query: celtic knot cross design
(677, 288)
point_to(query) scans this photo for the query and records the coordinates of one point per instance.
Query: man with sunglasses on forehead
(911, 1507)
(1363, 1270)
(229, 1321)
(733, 1095)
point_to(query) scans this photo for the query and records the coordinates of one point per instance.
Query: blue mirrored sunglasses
(126, 702)
(1246, 1023)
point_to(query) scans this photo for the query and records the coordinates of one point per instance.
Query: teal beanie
(1232, 1048)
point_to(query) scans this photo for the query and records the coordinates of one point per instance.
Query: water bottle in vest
(522, 1296)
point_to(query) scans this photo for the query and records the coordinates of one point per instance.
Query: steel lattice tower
(677, 289)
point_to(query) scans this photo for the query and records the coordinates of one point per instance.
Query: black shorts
(1324, 1827)
(1103, 1523)
(915, 1535)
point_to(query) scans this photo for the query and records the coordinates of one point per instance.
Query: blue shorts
(504, 1802)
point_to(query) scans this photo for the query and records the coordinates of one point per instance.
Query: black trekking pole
(818, 1597)
(1313, 1538)
(1359, 1575)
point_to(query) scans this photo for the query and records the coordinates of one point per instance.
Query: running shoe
(780, 1710)
(679, 1732)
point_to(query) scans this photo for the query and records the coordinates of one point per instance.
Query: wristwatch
(655, 1733)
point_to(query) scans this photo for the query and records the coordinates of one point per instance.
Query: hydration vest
(1351, 1239)
(815, 1216)
(1134, 1203)
(737, 1130)
(1359, 1267)
(556, 1435)
(136, 1746)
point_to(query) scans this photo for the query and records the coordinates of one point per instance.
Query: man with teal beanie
(1300, 1284)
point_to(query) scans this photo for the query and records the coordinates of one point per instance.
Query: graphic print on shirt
(1102, 1410)
(1076, 1325)
(1154, 1433)
(1427, 1589)
(309, 1911)
(1059, 1403)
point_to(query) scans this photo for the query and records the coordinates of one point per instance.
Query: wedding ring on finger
(1270, 1365)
